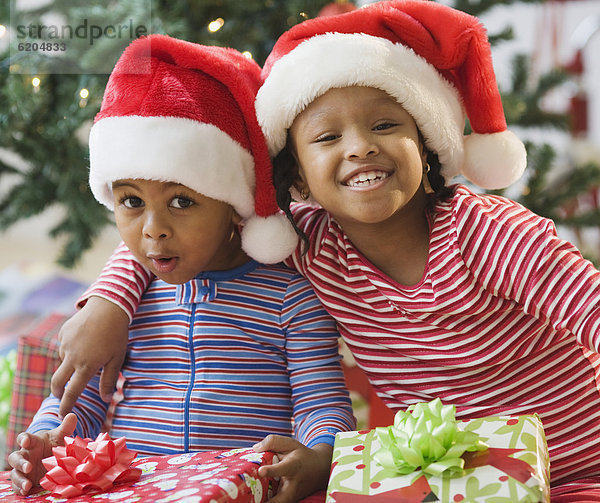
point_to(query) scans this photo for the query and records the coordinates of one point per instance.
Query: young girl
(223, 350)
(437, 290)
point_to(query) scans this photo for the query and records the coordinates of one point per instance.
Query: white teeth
(366, 178)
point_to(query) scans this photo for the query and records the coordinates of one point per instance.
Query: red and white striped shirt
(505, 320)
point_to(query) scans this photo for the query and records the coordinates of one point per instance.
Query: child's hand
(302, 471)
(27, 468)
(95, 337)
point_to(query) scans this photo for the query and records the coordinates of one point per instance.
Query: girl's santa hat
(182, 112)
(435, 60)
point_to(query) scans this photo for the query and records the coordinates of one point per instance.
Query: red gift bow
(81, 464)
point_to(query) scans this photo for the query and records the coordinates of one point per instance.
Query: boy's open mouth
(164, 264)
(366, 178)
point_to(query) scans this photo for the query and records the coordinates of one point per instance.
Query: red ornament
(335, 8)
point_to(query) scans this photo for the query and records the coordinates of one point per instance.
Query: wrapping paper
(515, 468)
(37, 358)
(201, 477)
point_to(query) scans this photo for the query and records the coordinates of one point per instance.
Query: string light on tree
(248, 54)
(216, 25)
(84, 95)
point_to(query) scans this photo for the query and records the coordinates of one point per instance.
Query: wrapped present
(201, 477)
(37, 359)
(500, 459)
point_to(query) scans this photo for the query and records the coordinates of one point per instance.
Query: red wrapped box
(37, 359)
(200, 477)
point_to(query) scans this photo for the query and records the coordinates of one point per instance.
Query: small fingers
(66, 429)
(21, 466)
(76, 386)
(276, 443)
(108, 379)
(20, 483)
(269, 471)
(24, 440)
(287, 468)
(19, 462)
(60, 378)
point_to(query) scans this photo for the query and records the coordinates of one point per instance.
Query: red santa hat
(435, 60)
(182, 112)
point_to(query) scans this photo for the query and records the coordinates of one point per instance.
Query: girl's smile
(365, 178)
(360, 154)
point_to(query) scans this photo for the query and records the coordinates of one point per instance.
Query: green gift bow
(8, 364)
(426, 436)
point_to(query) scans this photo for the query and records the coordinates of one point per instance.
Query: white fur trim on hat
(340, 60)
(198, 155)
(269, 239)
(495, 160)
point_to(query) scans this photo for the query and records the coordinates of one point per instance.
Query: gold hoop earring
(426, 184)
(304, 193)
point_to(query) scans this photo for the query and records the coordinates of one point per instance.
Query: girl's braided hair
(436, 180)
(285, 174)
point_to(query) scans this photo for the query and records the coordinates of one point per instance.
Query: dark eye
(326, 138)
(132, 202)
(384, 125)
(181, 202)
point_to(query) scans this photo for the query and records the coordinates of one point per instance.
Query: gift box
(514, 468)
(37, 359)
(200, 477)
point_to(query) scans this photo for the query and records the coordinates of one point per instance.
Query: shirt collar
(203, 288)
(196, 291)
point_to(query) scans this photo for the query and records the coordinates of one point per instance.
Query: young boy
(223, 350)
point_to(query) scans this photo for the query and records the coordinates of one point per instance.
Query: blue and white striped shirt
(221, 362)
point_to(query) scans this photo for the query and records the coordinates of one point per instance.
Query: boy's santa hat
(182, 112)
(435, 60)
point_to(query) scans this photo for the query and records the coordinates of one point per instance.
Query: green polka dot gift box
(428, 456)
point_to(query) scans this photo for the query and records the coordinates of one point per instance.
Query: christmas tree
(44, 117)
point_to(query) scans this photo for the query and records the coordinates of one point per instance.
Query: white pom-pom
(494, 161)
(269, 240)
